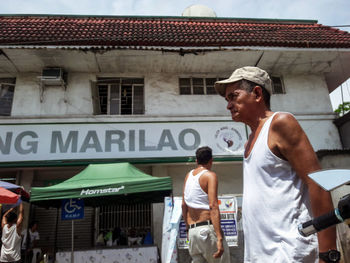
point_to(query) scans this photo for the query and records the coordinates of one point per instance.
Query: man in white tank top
(277, 193)
(11, 225)
(200, 211)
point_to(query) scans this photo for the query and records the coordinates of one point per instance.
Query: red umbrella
(16, 189)
(7, 197)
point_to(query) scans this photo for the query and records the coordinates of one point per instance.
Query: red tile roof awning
(26, 30)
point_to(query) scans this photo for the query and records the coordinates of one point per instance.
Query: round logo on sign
(228, 203)
(228, 139)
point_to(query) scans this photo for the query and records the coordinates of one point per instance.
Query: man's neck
(204, 166)
(259, 118)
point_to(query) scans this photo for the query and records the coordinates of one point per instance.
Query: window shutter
(95, 98)
(7, 89)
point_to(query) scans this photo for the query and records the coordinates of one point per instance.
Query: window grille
(277, 86)
(197, 86)
(7, 89)
(210, 86)
(128, 218)
(119, 96)
(185, 86)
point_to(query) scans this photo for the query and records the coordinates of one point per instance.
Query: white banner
(35, 142)
(171, 221)
(130, 255)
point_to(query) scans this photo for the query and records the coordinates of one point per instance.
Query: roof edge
(145, 17)
(188, 49)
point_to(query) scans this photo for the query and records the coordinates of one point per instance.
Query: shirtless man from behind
(201, 214)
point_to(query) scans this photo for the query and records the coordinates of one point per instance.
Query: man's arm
(4, 219)
(215, 212)
(20, 219)
(294, 145)
(184, 206)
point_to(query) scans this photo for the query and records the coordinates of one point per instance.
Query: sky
(327, 12)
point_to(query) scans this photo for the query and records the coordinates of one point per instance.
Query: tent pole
(72, 253)
(55, 244)
(27, 242)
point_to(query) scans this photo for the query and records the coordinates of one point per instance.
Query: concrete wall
(305, 94)
(343, 124)
(25, 180)
(321, 131)
(162, 98)
(29, 100)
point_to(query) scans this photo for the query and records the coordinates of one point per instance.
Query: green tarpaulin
(100, 184)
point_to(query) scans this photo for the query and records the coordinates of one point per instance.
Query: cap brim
(220, 86)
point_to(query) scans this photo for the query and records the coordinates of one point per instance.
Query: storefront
(48, 153)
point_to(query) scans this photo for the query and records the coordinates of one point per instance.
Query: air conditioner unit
(53, 77)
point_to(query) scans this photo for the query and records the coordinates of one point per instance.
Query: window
(126, 220)
(197, 86)
(277, 86)
(119, 96)
(7, 89)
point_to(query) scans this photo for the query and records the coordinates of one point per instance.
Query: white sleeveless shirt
(11, 244)
(194, 195)
(275, 202)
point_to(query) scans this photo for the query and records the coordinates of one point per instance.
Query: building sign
(37, 142)
(228, 221)
(72, 209)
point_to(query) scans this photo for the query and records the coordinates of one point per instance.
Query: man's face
(238, 101)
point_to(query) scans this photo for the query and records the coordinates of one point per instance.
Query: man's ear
(257, 90)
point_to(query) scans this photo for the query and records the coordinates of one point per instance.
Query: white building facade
(152, 103)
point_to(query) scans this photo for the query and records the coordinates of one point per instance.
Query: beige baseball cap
(253, 74)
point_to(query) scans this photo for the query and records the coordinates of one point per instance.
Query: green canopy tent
(100, 184)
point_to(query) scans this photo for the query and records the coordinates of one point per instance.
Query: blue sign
(72, 209)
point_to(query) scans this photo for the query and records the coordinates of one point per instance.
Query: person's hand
(220, 250)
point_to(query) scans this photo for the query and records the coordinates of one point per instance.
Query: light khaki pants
(202, 245)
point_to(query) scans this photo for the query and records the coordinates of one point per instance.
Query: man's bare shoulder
(286, 134)
(284, 118)
(210, 175)
(284, 124)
